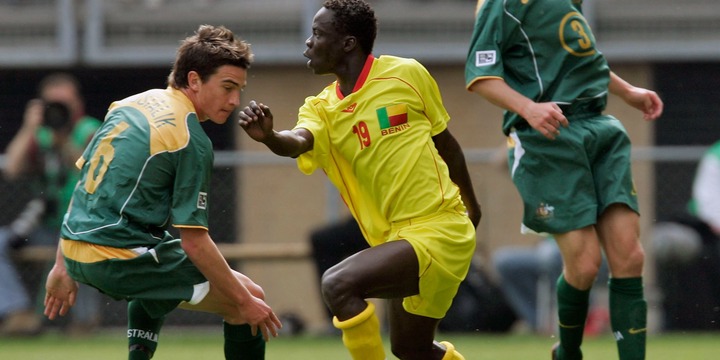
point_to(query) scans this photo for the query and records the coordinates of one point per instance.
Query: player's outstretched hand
(260, 316)
(646, 101)
(257, 121)
(60, 292)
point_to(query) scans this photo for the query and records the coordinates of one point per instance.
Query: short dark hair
(356, 18)
(210, 48)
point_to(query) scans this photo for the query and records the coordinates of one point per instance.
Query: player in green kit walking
(147, 167)
(380, 134)
(537, 59)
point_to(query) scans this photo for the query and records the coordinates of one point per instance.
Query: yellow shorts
(444, 244)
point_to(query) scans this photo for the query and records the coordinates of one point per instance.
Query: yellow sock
(361, 335)
(450, 352)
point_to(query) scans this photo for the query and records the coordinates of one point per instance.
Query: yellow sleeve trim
(80, 162)
(191, 227)
(467, 87)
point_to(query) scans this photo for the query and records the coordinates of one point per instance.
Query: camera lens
(56, 115)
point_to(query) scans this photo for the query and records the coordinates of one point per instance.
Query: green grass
(191, 344)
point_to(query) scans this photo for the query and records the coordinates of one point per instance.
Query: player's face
(64, 93)
(325, 45)
(220, 94)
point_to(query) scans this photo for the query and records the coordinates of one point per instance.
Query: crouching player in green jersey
(568, 159)
(380, 134)
(147, 167)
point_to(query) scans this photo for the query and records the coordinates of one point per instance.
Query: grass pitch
(194, 344)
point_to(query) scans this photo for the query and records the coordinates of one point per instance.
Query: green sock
(572, 312)
(143, 332)
(628, 317)
(241, 344)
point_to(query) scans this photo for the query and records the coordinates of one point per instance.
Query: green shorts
(566, 183)
(161, 277)
(445, 245)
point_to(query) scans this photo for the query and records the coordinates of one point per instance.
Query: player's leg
(361, 334)
(619, 232)
(389, 270)
(239, 341)
(334, 243)
(618, 229)
(582, 258)
(143, 331)
(412, 336)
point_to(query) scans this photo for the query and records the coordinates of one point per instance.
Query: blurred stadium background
(120, 47)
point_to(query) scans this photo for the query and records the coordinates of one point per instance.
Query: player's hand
(260, 316)
(33, 117)
(257, 121)
(547, 118)
(646, 101)
(60, 293)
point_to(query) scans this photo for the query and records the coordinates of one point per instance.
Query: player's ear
(194, 80)
(349, 43)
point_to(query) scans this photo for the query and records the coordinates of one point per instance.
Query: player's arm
(60, 289)
(257, 121)
(547, 118)
(17, 153)
(644, 100)
(452, 153)
(205, 255)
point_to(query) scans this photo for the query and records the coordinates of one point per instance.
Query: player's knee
(582, 275)
(631, 263)
(636, 257)
(334, 285)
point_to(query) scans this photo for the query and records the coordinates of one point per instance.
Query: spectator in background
(527, 278)
(687, 254)
(521, 270)
(54, 132)
(705, 202)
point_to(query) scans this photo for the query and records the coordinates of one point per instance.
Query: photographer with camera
(53, 135)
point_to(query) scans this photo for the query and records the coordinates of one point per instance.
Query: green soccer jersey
(376, 145)
(541, 48)
(148, 164)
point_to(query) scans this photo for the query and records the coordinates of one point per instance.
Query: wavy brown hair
(208, 49)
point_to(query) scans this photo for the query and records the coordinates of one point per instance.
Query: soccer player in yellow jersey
(380, 134)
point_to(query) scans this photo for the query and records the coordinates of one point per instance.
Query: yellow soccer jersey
(376, 145)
